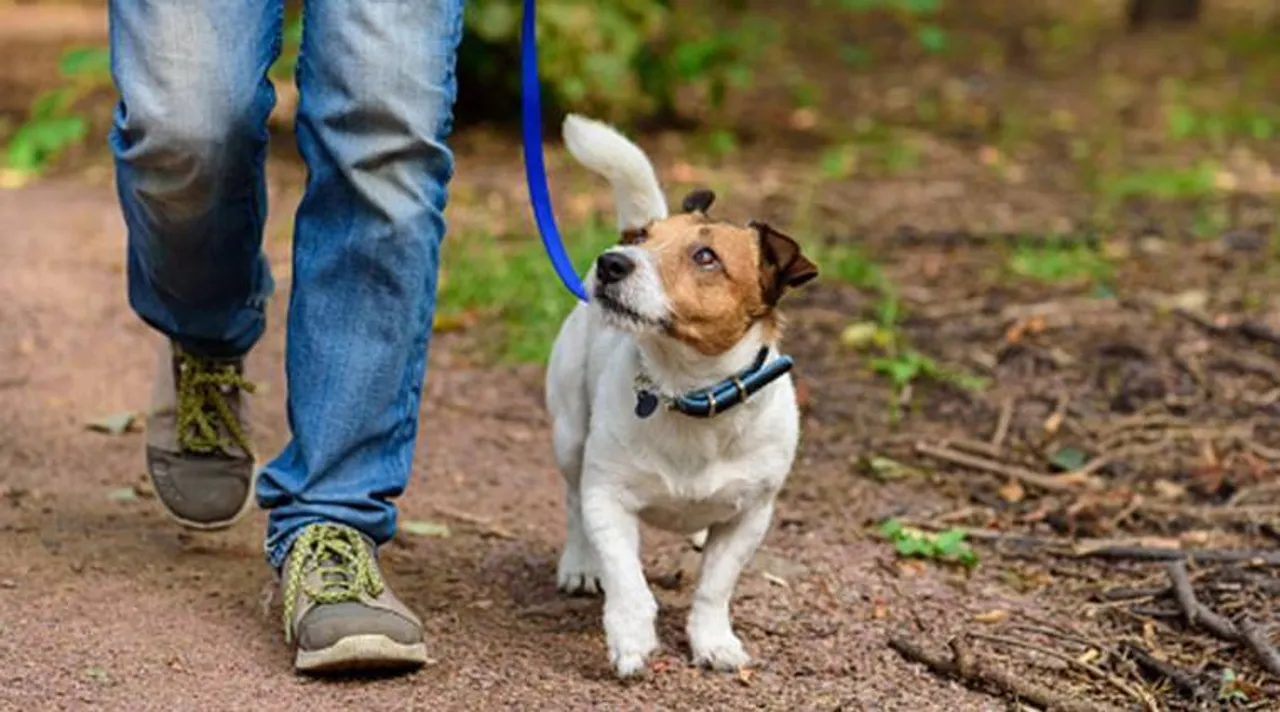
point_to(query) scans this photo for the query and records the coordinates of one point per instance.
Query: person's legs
(377, 87)
(189, 136)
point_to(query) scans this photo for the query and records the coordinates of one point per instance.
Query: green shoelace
(345, 565)
(203, 386)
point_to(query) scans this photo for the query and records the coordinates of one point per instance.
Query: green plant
(948, 546)
(906, 366)
(510, 282)
(618, 60)
(55, 120)
(1059, 263)
(1197, 181)
(918, 16)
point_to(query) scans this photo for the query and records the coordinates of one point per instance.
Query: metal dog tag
(646, 404)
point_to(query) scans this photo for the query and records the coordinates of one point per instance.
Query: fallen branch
(485, 526)
(1144, 553)
(1255, 331)
(1201, 616)
(1197, 614)
(1069, 482)
(973, 673)
(1116, 552)
(1138, 695)
(1002, 424)
(1255, 637)
(1183, 681)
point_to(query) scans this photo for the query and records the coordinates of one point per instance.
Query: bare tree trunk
(1143, 13)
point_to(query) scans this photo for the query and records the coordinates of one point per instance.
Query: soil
(1169, 386)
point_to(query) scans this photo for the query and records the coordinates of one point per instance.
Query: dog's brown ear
(634, 236)
(782, 265)
(698, 201)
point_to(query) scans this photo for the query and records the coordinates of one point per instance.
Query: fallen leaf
(804, 118)
(98, 674)
(775, 580)
(8, 583)
(1054, 422)
(1165, 489)
(1069, 459)
(1012, 492)
(1197, 537)
(995, 615)
(421, 527)
(860, 335)
(123, 494)
(660, 665)
(744, 676)
(113, 424)
(1088, 656)
(12, 179)
(886, 469)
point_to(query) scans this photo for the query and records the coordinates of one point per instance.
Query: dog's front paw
(630, 654)
(716, 647)
(631, 635)
(578, 572)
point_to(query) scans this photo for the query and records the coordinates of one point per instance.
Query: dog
(669, 401)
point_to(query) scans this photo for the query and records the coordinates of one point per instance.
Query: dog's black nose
(613, 267)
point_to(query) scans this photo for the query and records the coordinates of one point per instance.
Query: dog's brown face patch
(720, 279)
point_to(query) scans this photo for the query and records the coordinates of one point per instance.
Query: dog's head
(701, 281)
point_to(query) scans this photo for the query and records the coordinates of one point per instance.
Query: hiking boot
(199, 457)
(338, 611)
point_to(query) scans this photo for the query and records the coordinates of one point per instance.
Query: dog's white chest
(686, 495)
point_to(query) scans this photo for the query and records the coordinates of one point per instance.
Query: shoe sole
(362, 653)
(216, 525)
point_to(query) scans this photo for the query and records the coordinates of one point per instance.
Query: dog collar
(713, 400)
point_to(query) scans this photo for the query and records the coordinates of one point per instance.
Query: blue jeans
(377, 84)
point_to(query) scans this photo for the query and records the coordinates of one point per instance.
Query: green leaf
(123, 494)
(950, 541)
(419, 527)
(891, 528)
(113, 424)
(49, 103)
(1069, 459)
(85, 62)
(932, 38)
(837, 162)
(886, 469)
(911, 546)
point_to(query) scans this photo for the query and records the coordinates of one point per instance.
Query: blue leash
(535, 171)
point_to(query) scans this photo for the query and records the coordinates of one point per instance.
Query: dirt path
(105, 604)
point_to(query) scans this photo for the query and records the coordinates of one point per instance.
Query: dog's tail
(599, 147)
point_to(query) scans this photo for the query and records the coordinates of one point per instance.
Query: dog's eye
(705, 258)
(634, 236)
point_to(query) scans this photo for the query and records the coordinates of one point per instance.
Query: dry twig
(1183, 681)
(1050, 483)
(1199, 615)
(1002, 425)
(1141, 696)
(972, 672)
(1256, 637)
(485, 526)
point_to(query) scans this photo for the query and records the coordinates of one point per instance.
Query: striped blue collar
(715, 399)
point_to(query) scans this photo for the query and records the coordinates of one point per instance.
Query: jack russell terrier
(670, 402)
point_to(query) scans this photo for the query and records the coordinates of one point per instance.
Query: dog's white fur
(717, 476)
